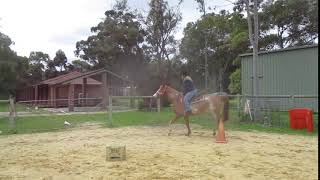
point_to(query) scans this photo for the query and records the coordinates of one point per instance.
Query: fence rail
(132, 104)
(272, 108)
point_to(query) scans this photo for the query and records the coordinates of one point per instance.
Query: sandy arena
(80, 154)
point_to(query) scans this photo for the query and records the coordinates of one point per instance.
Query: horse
(216, 103)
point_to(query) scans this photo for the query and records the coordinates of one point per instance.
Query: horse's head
(161, 91)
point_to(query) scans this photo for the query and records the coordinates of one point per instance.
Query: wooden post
(292, 101)
(84, 91)
(13, 113)
(71, 98)
(51, 95)
(239, 107)
(132, 93)
(158, 105)
(105, 92)
(28, 94)
(110, 110)
(36, 94)
(53, 102)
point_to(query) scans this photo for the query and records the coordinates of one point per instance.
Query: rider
(189, 91)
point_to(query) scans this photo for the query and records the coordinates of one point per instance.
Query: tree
(37, 57)
(286, 23)
(60, 60)
(37, 62)
(5, 42)
(13, 68)
(118, 36)
(51, 70)
(80, 65)
(161, 23)
(226, 39)
(117, 44)
(235, 82)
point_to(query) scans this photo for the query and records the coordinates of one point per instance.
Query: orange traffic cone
(220, 137)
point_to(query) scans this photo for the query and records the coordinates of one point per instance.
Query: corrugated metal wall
(285, 72)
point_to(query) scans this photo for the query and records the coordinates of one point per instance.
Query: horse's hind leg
(215, 129)
(171, 122)
(186, 118)
(215, 118)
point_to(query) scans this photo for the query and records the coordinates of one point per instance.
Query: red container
(301, 118)
(309, 121)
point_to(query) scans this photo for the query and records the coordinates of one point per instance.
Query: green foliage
(161, 23)
(117, 44)
(12, 67)
(235, 82)
(116, 39)
(37, 57)
(60, 60)
(36, 69)
(80, 65)
(226, 36)
(286, 23)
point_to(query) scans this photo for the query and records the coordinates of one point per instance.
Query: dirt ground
(151, 154)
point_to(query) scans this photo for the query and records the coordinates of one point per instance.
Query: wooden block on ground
(116, 153)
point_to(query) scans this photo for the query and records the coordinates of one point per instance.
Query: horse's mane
(176, 91)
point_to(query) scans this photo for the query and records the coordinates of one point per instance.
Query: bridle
(161, 92)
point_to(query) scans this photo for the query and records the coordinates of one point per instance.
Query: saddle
(197, 98)
(194, 99)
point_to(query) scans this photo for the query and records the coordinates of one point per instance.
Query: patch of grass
(137, 118)
(4, 107)
(48, 123)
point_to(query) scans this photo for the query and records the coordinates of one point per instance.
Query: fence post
(292, 101)
(158, 105)
(110, 110)
(12, 108)
(239, 107)
(132, 93)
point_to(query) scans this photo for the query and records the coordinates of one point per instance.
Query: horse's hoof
(188, 134)
(169, 134)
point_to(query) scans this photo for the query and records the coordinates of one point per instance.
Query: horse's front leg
(171, 122)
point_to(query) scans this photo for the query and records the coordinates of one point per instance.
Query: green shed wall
(284, 72)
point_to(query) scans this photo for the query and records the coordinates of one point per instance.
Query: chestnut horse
(216, 103)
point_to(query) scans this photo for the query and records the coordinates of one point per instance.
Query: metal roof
(67, 77)
(99, 71)
(76, 77)
(281, 50)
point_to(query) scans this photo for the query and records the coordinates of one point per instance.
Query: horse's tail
(226, 109)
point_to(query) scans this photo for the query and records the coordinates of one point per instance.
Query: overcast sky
(49, 25)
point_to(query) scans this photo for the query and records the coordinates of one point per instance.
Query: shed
(290, 71)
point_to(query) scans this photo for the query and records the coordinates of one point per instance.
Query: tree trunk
(220, 80)
(12, 113)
